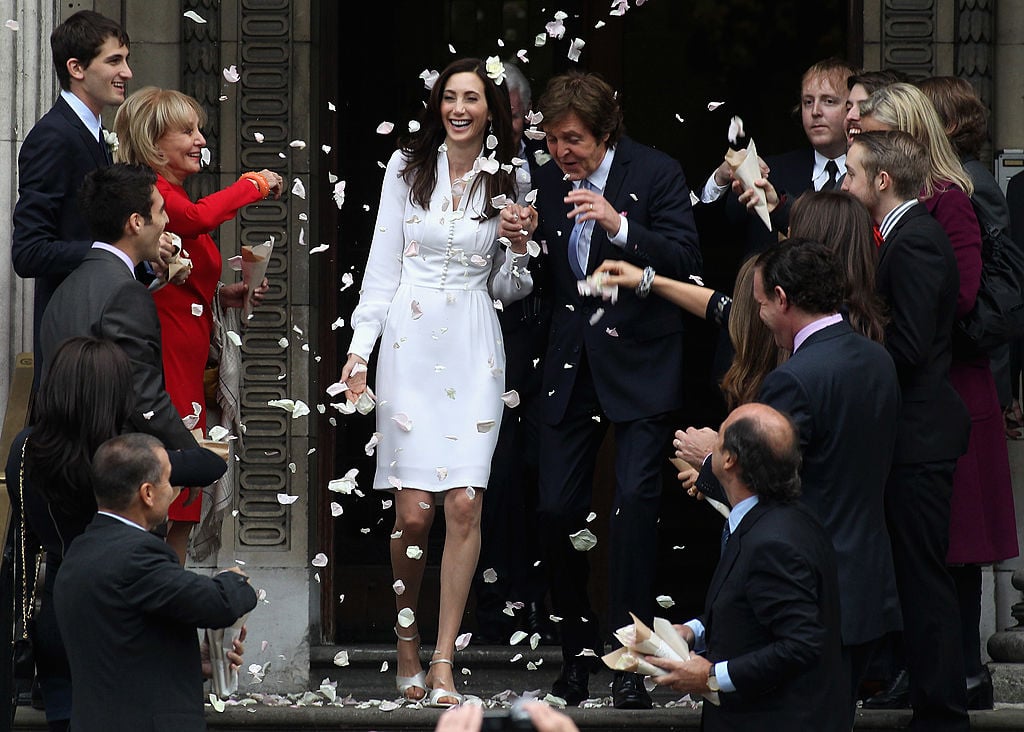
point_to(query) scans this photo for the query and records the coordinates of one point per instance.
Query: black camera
(516, 718)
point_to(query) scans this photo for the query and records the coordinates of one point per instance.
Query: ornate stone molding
(908, 34)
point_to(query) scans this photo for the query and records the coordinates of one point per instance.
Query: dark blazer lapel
(732, 553)
(911, 213)
(612, 187)
(90, 143)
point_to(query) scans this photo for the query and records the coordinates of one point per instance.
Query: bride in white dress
(435, 271)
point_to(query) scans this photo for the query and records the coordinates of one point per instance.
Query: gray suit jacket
(102, 298)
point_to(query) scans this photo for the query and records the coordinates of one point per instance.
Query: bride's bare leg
(461, 551)
(414, 522)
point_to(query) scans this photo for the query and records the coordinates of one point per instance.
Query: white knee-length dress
(429, 291)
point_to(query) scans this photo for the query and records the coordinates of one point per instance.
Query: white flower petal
(665, 601)
(398, 586)
(403, 421)
(517, 637)
(712, 106)
(485, 425)
(413, 552)
(231, 74)
(583, 540)
(336, 509)
(385, 128)
(462, 641)
(298, 189)
(406, 617)
(490, 575)
(320, 560)
(511, 399)
(194, 16)
(341, 658)
(285, 500)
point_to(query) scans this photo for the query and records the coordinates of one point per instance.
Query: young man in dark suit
(918, 277)
(842, 392)
(770, 629)
(102, 298)
(90, 56)
(823, 94)
(128, 612)
(619, 363)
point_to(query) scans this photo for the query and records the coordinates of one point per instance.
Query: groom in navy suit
(90, 56)
(618, 363)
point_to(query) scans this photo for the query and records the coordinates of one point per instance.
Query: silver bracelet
(646, 280)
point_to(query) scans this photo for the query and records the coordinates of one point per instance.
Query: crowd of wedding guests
(859, 419)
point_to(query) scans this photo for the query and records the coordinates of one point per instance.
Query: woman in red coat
(160, 128)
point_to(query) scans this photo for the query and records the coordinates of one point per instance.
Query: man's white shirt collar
(119, 253)
(818, 174)
(90, 120)
(122, 519)
(893, 217)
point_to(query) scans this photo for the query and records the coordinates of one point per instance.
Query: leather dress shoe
(979, 690)
(895, 696)
(629, 692)
(573, 683)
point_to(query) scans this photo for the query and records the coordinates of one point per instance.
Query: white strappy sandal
(437, 693)
(404, 683)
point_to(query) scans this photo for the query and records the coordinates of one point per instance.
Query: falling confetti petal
(259, 137)
(534, 641)
(442, 473)
(712, 106)
(218, 705)
(194, 16)
(591, 516)
(665, 601)
(583, 540)
(13, 25)
(403, 421)
(341, 658)
(339, 323)
(297, 144)
(234, 338)
(285, 500)
(298, 189)
(339, 194)
(575, 47)
(346, 281)
(388, 706)
(413, 552)
(297, 407)
(204, 155)
(320, 560)
(485, 425)
(385, 128)
(470, 492)
(429, 78)
(231, 74)
(399, 587)
(417, 313)
(735, 129)
(336, 509)
(345, 484)
(511, 399)
(517, 637)
(320, 248)
(462, 641)
(490, 576)
(406, 617)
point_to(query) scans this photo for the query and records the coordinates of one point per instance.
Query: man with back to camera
(842, 392)
(622, 365)
(102, 298)
(919, 280)
(770, 629)
(128, 612)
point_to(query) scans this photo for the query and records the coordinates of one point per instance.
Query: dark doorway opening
(668, 59)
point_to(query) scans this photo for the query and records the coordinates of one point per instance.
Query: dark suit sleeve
(131, 321)
(158, 585)
(708, 484)
(781, 390)
(782, 590)
(668, 240)
(44, 189)
(912, 300)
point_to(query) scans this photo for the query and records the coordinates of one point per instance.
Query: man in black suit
(823, 93)
(102, 298)
(508, 568)
(128, 612)
(90, 55)
(842, 392)
(918, 277)
(618, 363)
(770, 629)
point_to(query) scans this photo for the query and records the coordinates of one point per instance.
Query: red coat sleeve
(189, 220)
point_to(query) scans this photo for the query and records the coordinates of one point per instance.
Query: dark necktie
(833, 174)
(725, 535)
(105, 149)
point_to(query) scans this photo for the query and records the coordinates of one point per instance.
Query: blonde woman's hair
(905, 107)
(148, 115)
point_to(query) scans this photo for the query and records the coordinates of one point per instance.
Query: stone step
(293, 719)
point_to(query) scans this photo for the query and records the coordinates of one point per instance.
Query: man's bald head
(763, 442)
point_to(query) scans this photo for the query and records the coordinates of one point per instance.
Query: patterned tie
(579, 253)
(725, 535)
(833, 174)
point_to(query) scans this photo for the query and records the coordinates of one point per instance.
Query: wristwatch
(712, 679)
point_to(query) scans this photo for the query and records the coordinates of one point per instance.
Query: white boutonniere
(110, 138)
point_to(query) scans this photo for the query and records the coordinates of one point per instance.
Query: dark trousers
(856, 659)
(917, 499)
(568, 451)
